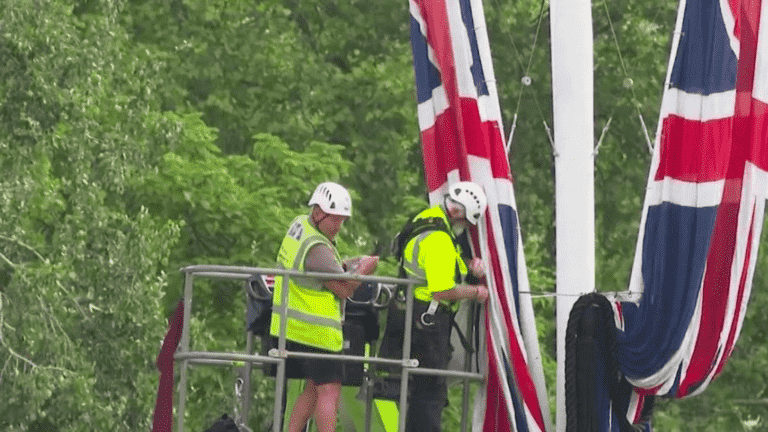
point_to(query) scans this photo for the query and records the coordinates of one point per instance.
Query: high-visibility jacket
(435, 256)
(313, 311)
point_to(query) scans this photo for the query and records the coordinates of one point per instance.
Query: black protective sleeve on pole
(593, 378)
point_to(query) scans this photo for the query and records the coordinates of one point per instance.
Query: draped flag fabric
(704, 205)
(462, 139)
(163, 416)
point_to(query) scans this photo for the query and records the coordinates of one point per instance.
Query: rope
(508, 145)
(645, 131)
(602, 135)
(628, 83)
(555, 294)
(526, 80)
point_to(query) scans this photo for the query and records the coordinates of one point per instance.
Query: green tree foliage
(141, 137)
(82, 278)
(301, 72)
(233, 208)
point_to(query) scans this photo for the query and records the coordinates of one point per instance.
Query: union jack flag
(462, 139)
(704, 205)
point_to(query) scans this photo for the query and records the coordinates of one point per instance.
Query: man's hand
(363, 265)
(482, 293)
(475, 266)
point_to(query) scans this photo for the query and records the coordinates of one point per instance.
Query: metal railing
(278, 356)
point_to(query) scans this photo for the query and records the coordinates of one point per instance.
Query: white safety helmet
(472, 197)
(332, 198)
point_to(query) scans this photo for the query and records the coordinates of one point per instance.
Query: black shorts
(320, 371)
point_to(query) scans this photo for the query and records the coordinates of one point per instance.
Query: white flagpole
(572, 91)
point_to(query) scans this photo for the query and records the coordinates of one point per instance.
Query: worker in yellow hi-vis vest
(314, 308)
(431, 252)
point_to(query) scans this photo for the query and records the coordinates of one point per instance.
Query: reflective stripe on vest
(412, 266)
(313, 312)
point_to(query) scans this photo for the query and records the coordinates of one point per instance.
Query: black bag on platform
(224, 424)
(259, 306)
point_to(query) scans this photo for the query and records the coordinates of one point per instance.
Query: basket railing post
(408, 326)
(280, 380)
(188, 279)
(470, 331)
(248, 393)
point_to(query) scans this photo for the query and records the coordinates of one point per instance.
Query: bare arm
(342, 288)
(321, 258)
(364, 265)
(462, 292)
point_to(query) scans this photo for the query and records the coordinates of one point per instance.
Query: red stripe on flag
(734, 6)
(483, 138)
(520, 370)
(496, 413)
(715, 288)
(694, 151)
(638, 409)
(439, 147)
(740, 298)
(475, 136)
(759, 135)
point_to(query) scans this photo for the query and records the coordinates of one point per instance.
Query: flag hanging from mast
(462, 139)
(706, 197)
(704, 207)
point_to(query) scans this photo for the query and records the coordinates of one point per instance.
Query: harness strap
(464, 342)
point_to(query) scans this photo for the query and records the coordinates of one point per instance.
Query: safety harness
(409, 231)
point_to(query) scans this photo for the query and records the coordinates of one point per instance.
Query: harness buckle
(428, 317)
(384, 294)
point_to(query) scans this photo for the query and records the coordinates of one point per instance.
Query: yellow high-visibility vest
(440, 269)
(313, 312)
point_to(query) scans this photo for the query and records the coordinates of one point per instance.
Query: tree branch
(2, 372)
(2, 338)
(74, 300)
(19, 356)
(26, 246)
(7, 261)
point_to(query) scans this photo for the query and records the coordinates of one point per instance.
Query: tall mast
(572, 95)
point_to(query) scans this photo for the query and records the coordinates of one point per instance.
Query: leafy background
(140, 137)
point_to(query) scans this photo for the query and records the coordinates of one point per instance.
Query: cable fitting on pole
(551, 140)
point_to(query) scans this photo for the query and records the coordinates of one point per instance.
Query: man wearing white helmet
(314, 308)
(431, 252)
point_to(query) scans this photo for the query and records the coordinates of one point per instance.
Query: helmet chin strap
(450, 205)
(318, 222)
